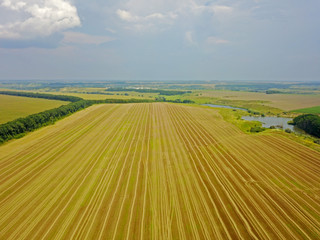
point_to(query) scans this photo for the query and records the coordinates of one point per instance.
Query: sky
(276, 40)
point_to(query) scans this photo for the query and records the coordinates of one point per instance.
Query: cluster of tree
(257, 129)
(42, 95)
(288, 130)
(253, 112)
(161, 92)
(20, 126)
(181, 101)
(309, 123)
(163, 99)
(273, 92)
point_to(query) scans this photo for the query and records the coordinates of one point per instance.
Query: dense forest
(309, 123)
(161, 92)
(42, 95)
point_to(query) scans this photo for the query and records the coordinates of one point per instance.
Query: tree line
(19, 127)
(42, 95)
(310, 123)
(273, 92)
(163, 99)
(161, 92)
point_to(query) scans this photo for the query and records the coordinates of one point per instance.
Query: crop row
(156, 171)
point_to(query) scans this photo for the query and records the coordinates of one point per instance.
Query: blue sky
(160, 40)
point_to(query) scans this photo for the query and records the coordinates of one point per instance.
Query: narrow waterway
(224, 106)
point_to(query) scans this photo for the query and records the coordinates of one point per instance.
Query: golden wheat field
(156, 171)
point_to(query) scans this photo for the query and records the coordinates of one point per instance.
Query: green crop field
(156, 171)
(314, 110)
(12, 107)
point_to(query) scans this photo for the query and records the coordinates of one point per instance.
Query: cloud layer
(37, 18)
(143, 14)
(160, 39)
(81, 38)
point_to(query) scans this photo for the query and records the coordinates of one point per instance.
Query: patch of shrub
(257, 129)
(291, 122)
(288, 130)
(317, 141)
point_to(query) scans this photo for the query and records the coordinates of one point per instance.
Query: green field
(12, 107)
(314, 110)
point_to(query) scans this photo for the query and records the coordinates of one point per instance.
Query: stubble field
(156, 171)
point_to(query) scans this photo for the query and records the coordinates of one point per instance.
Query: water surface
(267, 122)
(224, 106)
(278, 122)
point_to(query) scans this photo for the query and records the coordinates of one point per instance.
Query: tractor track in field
(156, 171)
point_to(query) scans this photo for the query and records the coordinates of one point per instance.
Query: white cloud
(13, 5)
(189, 38)
(142, 22)
(221, 9)
(127, 16)
(217, 10)
(81, 38)
(139, 14)
(155, 16)
(215, 40)
(40, 18)
(147, 7)
(110, 30)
